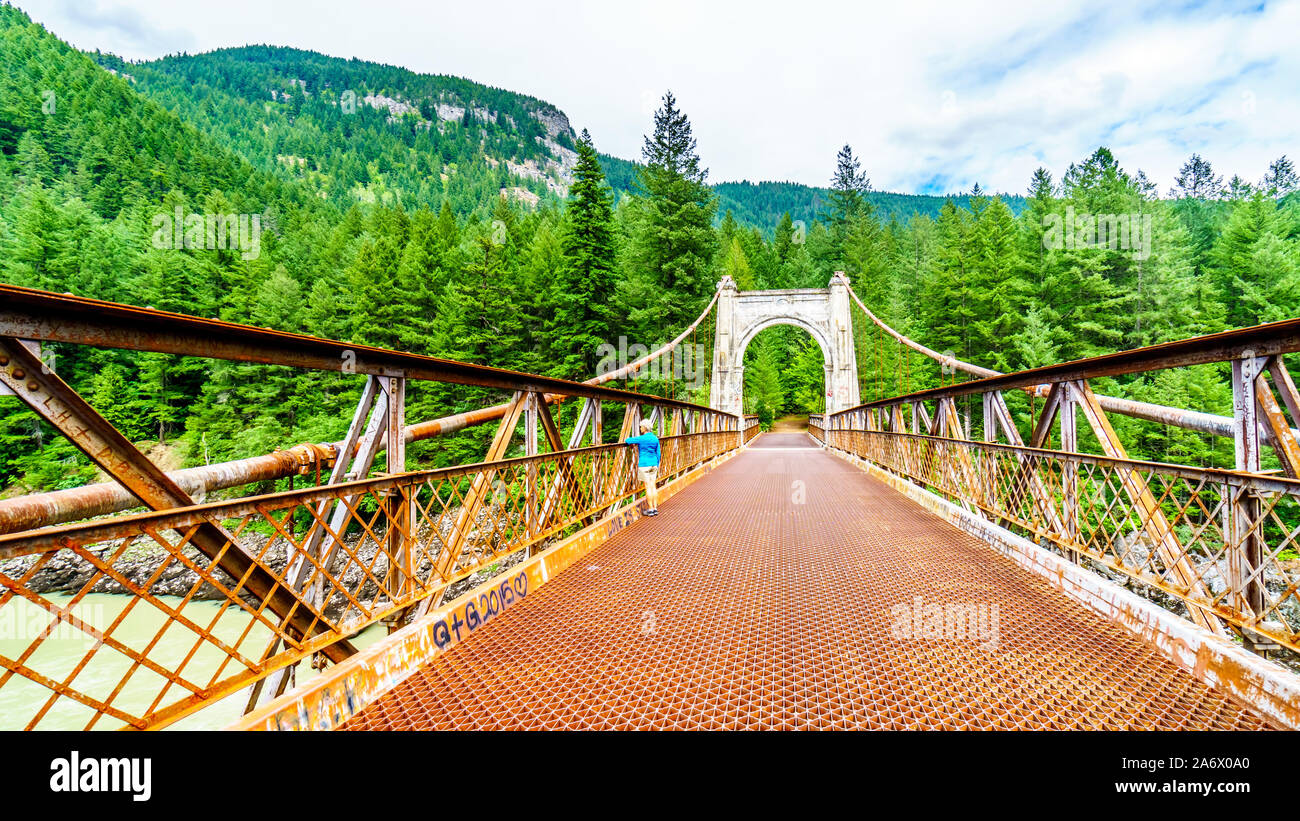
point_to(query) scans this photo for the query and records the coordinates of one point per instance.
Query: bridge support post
(843, 379)
(728, 383)
(1070, 470)
(400, 514)
(531, 404)
(1246, 550)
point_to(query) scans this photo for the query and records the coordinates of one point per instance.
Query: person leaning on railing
(647, 445)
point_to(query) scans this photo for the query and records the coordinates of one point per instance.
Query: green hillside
(355, 131)
(762, 204)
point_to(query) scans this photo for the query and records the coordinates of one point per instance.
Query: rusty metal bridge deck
(788, 589)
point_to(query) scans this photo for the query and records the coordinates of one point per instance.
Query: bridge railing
(1186, 537)
(817, 426)
(1219, 545)
(751, 427)
(227, 596)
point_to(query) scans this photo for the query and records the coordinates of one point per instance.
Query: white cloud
(932, 95)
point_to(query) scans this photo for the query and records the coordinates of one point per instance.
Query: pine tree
(948, 303)
(585, 281)
(763, 390)
(850, 214)
(849, 186)
(1238, 189)
(379, 319)
(736, 266)
(1281, 178)
(672, 242)
(1196, 179)
(113, 394)
(1196, 192)
(1040, 208)
(1256, 263)
(999, 294)
(804, 378)
(420, 282)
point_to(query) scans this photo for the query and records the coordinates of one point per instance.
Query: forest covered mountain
(763, 204)
(444, 217)
(358, 130)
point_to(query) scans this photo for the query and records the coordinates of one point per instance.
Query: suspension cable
(633, 367)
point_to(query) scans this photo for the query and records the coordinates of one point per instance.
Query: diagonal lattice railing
(120, 676)
(1082, 504)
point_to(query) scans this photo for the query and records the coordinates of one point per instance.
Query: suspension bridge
(934, 558)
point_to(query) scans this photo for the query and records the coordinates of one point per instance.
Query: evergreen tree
(672, 242)
(849, 186)
(850, 213)
(1281, 178)
(1256, 262)
(763, 390)
(1196, 179)
(585, 282)
(736, 266)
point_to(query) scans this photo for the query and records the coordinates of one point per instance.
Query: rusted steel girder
(474, 499)
(57, 506)
(1154, 520)
(1260, 340)
(26, 313)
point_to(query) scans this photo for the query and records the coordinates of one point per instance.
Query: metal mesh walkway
(784, 440)
(789, 590)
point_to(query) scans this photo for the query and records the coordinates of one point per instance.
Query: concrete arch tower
(822, 312)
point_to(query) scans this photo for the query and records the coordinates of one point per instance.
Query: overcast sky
(933, 96)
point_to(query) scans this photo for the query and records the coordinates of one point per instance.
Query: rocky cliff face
(554, 121)
(556, 172)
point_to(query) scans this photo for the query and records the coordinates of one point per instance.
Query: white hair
(646, 424)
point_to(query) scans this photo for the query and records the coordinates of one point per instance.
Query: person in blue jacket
(647, 464)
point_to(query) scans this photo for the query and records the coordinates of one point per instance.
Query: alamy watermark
(211, 232)
(975, 622)
(73, 773)
(948, 365)
(685, 363)
(1115, 232)
(28, 624)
